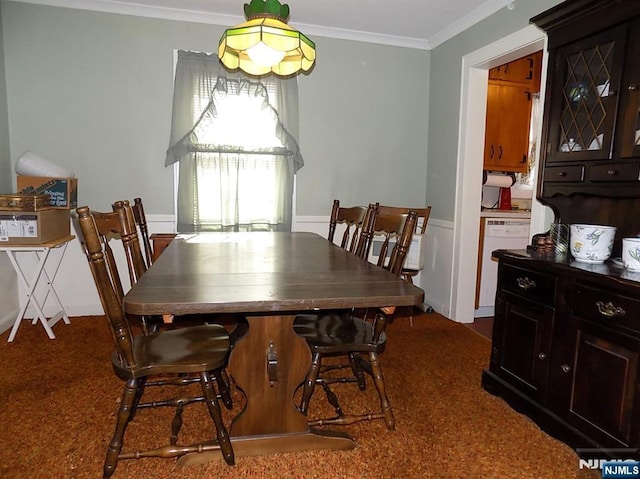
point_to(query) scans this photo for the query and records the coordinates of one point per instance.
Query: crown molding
(360, 36)
(125, 8)
(473, 17)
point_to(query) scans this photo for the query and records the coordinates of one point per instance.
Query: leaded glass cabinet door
(587, 76)
(628, 141)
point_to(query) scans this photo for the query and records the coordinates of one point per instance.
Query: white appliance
(415, 255)
(499, 233)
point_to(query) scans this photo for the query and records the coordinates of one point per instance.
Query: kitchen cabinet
(507, 127)
(525, 70)
(566, 345)
(508, 117)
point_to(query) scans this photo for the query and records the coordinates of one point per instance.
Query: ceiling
(411, 23)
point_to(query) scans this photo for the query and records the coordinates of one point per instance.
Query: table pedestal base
(256, 446)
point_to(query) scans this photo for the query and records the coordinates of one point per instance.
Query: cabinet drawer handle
(609, 310)
(633, 87)
(612, 172)
(542, 356)
(565, 368)
(526, 283)
(562, 173)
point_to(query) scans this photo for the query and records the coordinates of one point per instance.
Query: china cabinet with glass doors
(592, 127)
(566, 337)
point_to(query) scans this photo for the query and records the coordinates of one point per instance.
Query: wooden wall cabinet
(524, 70)
(508, 116)
(507, 127)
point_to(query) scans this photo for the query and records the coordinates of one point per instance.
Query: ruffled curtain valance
(194, 140)
(236, 161)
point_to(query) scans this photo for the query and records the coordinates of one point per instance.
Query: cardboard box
(33, 227)
(63, 191)
(24, 202)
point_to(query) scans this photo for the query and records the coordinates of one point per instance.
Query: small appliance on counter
(505, 199)
(496, 189)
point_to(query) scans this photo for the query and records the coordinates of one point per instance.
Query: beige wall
(5, 155)
(93, 91)
(444, 108)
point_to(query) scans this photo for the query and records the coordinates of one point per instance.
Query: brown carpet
(58, 400)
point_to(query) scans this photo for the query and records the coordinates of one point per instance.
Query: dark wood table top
(262, 272)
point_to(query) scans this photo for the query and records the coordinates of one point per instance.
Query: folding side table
(39, 277)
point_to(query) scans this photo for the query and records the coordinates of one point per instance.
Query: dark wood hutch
(566, 338)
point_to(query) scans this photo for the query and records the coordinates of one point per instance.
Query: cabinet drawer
(564, 173)
(606, 307)
(529, 284)
(614, 172)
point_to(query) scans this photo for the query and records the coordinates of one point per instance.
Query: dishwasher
(499, 233)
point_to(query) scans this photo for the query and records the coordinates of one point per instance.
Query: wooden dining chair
(235, 324)
(163, 359)
(144, 256)
(143, 230)
(111, 226)
(421, 227)
(352, 220)
(351, 336)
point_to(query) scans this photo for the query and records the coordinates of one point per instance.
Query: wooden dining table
(269, 278)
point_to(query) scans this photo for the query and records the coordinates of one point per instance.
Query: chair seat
(184, 350)
(338, 332)
(163, 359)
(236, 325)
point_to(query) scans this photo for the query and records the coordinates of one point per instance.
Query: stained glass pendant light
(265, 43)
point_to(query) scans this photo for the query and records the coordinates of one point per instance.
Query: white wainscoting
(78, 294)
(8, 293)
(434, 279)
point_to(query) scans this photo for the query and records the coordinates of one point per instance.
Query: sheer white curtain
(526, 179)
(235, 139)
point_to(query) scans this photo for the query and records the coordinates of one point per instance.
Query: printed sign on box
(63, 191)
(37, 227)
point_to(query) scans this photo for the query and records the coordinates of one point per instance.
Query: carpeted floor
(58, 400)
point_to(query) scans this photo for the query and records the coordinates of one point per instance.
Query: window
(237, 159)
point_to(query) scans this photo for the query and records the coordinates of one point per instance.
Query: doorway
(475, 72)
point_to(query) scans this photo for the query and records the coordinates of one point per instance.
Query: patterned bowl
(631, 253)
(591, 243)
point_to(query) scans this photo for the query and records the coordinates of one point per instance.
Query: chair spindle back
(96, 228)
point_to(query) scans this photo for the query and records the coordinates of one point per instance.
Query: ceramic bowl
(591, 243)
(631, 253)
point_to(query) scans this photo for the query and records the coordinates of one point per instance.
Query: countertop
(491, 213)
(611, 268)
